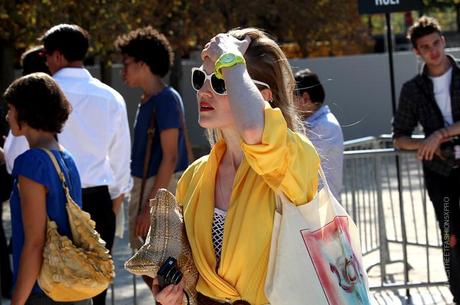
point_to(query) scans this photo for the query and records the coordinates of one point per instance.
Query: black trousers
(97, 202)
(45, 300)
(444, 193)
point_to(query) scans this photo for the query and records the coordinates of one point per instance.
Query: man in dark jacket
(432, 99)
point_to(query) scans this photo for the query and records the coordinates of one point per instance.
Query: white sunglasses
(199, 77)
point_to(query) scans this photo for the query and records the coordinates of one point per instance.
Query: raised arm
(246, 101)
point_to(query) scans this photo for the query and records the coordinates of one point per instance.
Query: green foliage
(441, 3)
(189, 23)
(446, 16)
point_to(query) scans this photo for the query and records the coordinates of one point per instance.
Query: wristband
(227, 60)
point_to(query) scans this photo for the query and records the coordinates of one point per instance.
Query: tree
(312, 25)
(445, 4)
(188, 24)
(324, 27)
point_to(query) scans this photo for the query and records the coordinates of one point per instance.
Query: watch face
(228, 58)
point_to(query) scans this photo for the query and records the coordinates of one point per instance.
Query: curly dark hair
(69, 39)
(39, 102)
(424, 26)
(147, 45)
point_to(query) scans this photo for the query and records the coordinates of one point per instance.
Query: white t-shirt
(441, 90)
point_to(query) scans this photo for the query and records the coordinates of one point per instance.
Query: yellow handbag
(78, 269)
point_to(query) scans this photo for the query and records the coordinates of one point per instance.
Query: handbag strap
(147, 158)
(188, 144)
(59, 172)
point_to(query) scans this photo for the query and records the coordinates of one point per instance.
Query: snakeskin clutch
(166, 237)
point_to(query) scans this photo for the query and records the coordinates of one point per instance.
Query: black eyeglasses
(199, 76)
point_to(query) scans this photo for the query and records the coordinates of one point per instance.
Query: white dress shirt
(97, 131)
(13, 147)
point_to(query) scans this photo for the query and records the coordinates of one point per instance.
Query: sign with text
(387, 6)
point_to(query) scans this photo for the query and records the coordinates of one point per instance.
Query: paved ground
(123, 292)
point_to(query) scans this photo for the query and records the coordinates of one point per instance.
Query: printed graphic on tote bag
(335, 263)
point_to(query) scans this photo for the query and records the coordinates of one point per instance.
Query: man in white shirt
(322, 127)
(97, 131)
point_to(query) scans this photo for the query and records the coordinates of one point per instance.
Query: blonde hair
(266, 62)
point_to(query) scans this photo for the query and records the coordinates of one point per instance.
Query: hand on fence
(170, 295)
(431, 145)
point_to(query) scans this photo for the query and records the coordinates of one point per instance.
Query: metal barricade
(400, 238)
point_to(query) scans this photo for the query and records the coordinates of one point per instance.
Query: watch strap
(227, 60)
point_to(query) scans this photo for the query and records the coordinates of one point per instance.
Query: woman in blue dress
(37, 109)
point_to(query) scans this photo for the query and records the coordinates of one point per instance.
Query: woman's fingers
(204, 52)
(244, 44)
(224, 43)
(164, 296)
(170, 295)
(155, 287)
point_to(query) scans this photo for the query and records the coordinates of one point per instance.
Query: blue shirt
(36, 165)
(169, 110)
(325, 133)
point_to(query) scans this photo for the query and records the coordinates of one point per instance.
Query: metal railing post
(112, 288)
(134, 290)
(383, 240)
(403, 224)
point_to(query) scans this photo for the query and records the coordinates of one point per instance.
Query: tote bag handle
(280, 197)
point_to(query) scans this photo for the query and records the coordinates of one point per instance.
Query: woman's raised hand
(224, 43)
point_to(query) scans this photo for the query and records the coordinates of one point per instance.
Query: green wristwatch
(227, 60)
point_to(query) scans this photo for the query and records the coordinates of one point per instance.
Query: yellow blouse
(285, 161)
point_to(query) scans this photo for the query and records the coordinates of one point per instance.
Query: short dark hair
(33, 60)
(69, 39)
(424, 26)
(38, 102)
(148, 45)
(307, 81)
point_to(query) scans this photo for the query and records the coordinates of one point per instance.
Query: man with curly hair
(147, 58)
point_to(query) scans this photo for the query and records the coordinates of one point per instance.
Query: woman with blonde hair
(245, 98)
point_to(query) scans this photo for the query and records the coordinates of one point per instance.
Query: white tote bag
(315, 255)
